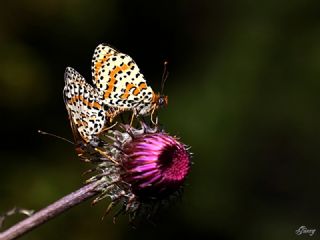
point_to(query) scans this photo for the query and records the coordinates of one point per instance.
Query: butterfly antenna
(164, 76)
(56, 136)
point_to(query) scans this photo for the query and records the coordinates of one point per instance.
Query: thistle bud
(139, 168)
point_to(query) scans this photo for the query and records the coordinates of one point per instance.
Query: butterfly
(84, 105)
(121, 84)
(118, 86)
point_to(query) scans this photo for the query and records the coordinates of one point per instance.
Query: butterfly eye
(160, 101)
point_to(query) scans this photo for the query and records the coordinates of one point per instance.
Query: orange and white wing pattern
(85, 108)
(119, 81)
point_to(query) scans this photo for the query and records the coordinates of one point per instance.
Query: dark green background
(243, 92)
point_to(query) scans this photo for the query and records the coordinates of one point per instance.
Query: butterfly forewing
(119, 80)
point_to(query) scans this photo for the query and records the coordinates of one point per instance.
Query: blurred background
(243, 92)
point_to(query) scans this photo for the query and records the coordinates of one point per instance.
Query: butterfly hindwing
(84, 105)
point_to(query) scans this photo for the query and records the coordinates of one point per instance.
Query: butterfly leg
(110, 115)
(110, 127)
(152, 113)
(132, 118)
(106, 155)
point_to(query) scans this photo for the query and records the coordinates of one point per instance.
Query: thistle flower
(155, 164)
(139, 169)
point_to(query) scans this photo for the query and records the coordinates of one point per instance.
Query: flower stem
(50, 212)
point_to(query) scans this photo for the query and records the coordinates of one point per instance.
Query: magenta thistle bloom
(155, 164)
(138, 168)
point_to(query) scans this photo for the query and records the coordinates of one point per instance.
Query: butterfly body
(120, 82)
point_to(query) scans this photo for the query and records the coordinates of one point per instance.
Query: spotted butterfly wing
(85, 108)
(119, 81)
